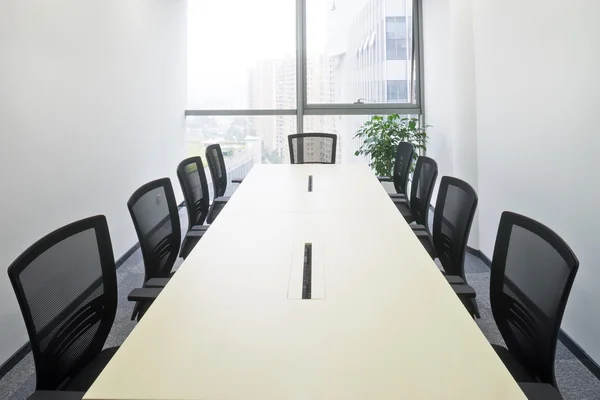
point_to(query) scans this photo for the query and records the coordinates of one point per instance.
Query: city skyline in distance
(362, 53)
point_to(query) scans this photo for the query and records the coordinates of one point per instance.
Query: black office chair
(218, 173)
(155, 216)
(533, 271)
(194, 185)
(454, 212)
(417, 210)
(312, 148)
(405, 153)
(66, 286)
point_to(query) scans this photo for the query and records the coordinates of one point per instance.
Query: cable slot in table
(310, 183)
(307, 273)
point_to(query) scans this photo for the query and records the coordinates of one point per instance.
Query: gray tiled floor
(575, 380)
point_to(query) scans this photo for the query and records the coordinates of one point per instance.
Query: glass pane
(345, 127)
(359, 51)
(245, 141)
(241, 54)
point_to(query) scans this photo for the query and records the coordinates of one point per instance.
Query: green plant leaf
(380, 137)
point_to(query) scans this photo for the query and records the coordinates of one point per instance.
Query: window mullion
(300, 63)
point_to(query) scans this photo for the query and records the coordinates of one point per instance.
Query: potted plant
(381, 135)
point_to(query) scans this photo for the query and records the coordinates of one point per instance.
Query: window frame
(303, 108)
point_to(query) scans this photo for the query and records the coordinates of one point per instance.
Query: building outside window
(395, 38)
(357, 53)
(397, 91)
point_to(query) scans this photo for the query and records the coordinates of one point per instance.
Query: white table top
(386, 325)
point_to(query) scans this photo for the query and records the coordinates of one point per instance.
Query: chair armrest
(218, 204)
(237, 180)
(200, 227)
(144, 294)
(397, 195)
(55, 395)
(418, 227)
(464, 291)
(195, 234)
(455, 280)
(421, 233)
(384, 179)
(156, 283)
(399, 200)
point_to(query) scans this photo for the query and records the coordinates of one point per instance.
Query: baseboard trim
(127, 255)
(15, 359)
(569, 343)
(479, 254)
(579, 353)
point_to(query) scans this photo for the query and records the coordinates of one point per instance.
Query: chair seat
(517, 370)
(405, 211)
(540, 391)
(84, 379)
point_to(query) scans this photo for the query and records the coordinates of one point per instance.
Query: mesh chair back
(533, 270)
(153, 209)
(216, 164)
(312, 148)
(404, 156)
(194, 185)
(454, 213)
(66, 286)
(421, 190)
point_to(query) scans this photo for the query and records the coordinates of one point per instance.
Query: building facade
(369, 47)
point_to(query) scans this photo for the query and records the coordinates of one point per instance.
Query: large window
(245, 140)
(241, 54)
(349, 48)
(261, 70)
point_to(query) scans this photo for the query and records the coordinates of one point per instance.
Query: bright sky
(226, 37)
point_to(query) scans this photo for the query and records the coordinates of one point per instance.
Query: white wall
(92, 100)
(450, 92)
(538, 94)
(535, 81)
(436, 54)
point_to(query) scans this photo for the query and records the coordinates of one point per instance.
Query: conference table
(309, 285)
